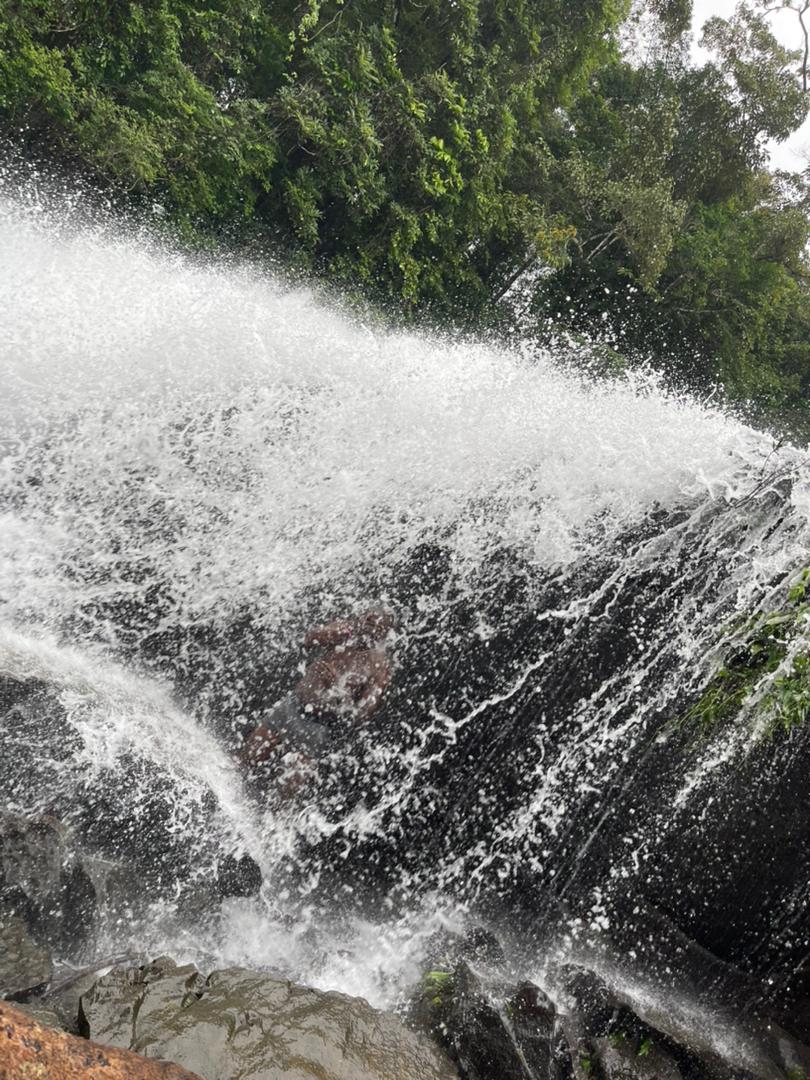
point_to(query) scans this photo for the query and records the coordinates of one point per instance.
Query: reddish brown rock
(29, 1051)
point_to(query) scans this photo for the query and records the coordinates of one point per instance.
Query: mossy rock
(767, 663)
(487, 1031)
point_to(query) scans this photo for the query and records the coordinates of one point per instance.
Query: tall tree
(687, 252)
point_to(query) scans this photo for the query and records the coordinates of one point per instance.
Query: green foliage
(675, 17)
(758, 71)
(495, 161)
(737, 284)
(432, 1002)
(140, 93)
(437, 987)
(391, 145)
(686, 252)
(610, 176)
(768, 665)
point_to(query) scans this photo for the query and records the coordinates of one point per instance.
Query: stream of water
(200, 460)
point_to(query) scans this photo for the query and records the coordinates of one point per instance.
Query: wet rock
(152, 994)
(621, 1057)
(69, 984)
(46, 1017)
(597, 1027)
(36, 1052)
(25, 966)
(721, 1039)
(488, 1033)
(237, 1023)
(593, 1004)
(44, 881)
(536, 1031)
(238, 876)
(445, 949)
(712, 1037)
(480, 946)
(97, 839)
(32, 854)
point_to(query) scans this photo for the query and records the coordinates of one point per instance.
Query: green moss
(645, 1047)
(758, 650)
(437, 988)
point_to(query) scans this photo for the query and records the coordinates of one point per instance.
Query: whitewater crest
(199, 461)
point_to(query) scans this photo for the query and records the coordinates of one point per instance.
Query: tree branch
(806, 33)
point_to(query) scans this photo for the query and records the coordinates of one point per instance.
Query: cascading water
(198, 462)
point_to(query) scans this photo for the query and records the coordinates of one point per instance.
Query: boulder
(25, 966)
(238, 1023)
(593, 1025)
(36, 1052)
(488, 1031)
(446, 948)
(592, 1004)
(535, 1029)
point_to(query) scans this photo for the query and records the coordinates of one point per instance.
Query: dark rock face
(46, 882)
(86, 844)
(730, 869)
(728, 866)
(730, 874)
(238, 876)
(510, 1033)
(589, 1028)
(241, 1024)
(622, 1058)
(741, 853)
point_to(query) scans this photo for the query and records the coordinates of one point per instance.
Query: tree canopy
(491, 162)
(390, 144)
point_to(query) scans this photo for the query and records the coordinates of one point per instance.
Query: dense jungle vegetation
(557, 165)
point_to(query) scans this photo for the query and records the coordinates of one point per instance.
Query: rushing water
(199, 461)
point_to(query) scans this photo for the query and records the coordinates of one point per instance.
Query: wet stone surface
(25, 966)
(35, 1051)
(45, 881)
(623, 1058)
(242, 1024)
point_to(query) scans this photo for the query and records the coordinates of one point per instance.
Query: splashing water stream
(198, 461)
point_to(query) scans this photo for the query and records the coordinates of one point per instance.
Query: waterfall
(200, 459)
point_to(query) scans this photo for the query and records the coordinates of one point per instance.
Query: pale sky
(795, 153)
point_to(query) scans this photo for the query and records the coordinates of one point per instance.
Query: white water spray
(190, 442)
